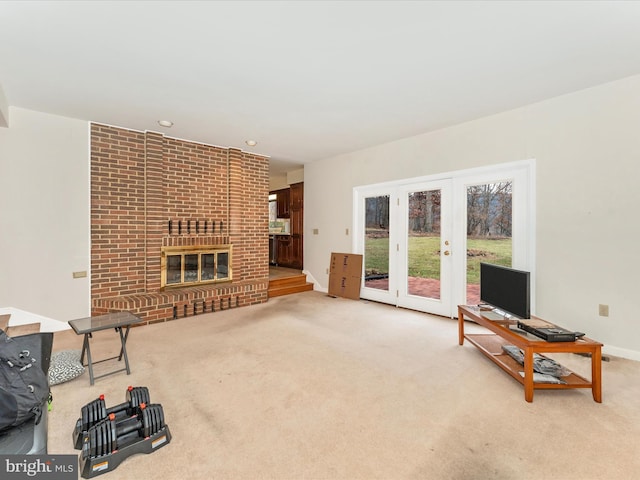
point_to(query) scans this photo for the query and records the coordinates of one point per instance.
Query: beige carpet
(312, 387)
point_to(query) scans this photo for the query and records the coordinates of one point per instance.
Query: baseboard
(621, 352)
(316, 285)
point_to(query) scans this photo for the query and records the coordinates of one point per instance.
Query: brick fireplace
(152, 194)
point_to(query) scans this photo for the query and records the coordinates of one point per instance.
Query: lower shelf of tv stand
(491, 344)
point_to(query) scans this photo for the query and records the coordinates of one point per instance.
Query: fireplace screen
(188, 266)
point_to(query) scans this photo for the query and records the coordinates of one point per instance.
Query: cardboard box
(346, 264)
(346, 287)
(345, 275)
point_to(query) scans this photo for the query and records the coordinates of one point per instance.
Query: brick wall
(142, 180)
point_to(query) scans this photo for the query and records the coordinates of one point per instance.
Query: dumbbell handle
(118, 408)
(128, 426)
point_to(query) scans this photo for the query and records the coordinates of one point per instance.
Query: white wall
(278, 182)
(4, 109)
(295, 176)
(587, 151)
(44, 215)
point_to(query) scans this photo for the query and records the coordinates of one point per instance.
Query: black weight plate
(95, 413)
(146, 422)
(107, 437)
(147, 426)
(85, 417)
(85, 447)
(103, 436)
(161, 415)
(130, 397)
(146, 398)
(106, 434)
(154, 421)
(160, 421)
(135, 398)
(114, 437)
(102, 411)
(89, 414)
(99, 440)
(92, 442)
(142, 396)
(91, 417)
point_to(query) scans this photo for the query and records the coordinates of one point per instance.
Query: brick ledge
(179, 303)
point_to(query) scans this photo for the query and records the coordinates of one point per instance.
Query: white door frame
(523, 175)
(441, 305)
(358, 228)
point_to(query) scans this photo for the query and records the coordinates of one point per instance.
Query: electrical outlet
(315, 231)
(603, 310)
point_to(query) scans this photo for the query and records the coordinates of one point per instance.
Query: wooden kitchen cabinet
(290, 202)
(297, 225)
(284, 250)
(283, 202)
(297, 195)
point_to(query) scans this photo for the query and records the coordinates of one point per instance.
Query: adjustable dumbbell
(108, 435)
(96, 411)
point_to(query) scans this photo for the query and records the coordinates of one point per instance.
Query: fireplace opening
(195, 265)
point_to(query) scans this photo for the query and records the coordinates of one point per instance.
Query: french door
(406, 242)
(422, 239)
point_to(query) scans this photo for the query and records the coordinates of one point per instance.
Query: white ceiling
(307, 80)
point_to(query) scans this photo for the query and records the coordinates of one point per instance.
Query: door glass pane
(489, 230)
(208, 265)
(376, 242)
(174, 269)
(191, 268)
(423, 244)
(223, 265)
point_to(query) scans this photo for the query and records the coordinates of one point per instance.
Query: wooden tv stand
(491, 346)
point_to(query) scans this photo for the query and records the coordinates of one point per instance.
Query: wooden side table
(118, 321)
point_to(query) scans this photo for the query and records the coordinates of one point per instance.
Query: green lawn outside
(424, 256)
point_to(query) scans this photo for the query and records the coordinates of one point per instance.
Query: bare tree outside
(424, 212)
(376, 247)
(489, 209)
(489, 230)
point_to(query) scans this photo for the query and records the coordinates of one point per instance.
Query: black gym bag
(24, 385)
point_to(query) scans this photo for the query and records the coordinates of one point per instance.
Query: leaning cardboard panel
(347, 264)
(345, 275)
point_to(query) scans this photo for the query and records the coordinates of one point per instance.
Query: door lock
(446, 252)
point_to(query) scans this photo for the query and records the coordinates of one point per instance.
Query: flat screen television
(506, 289)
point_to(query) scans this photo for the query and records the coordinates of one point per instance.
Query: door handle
(446, 252)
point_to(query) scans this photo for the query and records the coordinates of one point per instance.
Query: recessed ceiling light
(251, 143)
(165, 123)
